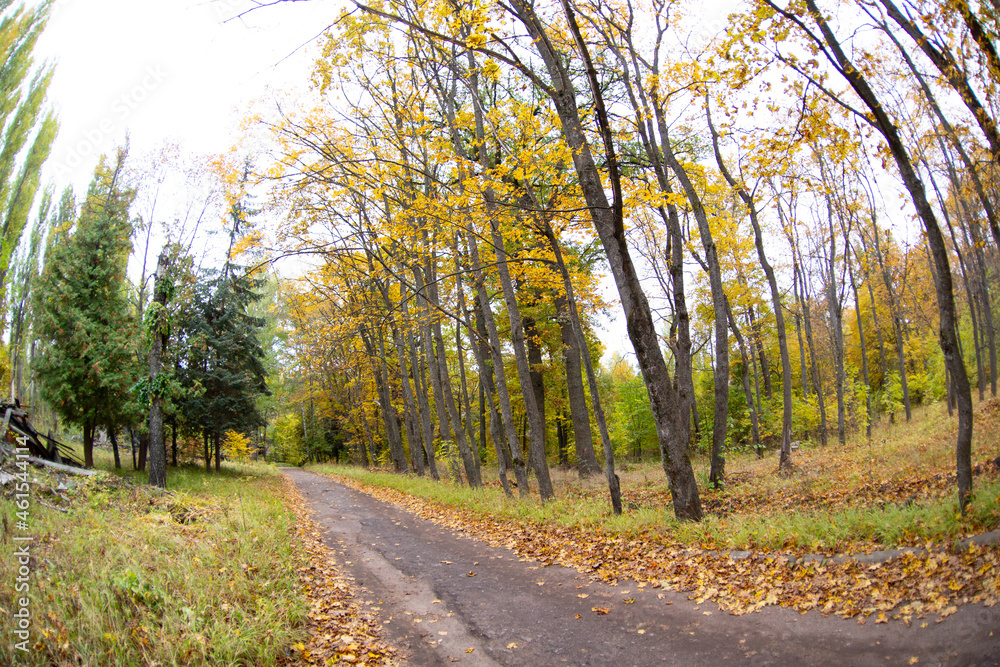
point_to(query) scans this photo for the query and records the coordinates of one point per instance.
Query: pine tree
(88, 364)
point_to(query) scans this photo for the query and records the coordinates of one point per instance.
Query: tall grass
(203, 575)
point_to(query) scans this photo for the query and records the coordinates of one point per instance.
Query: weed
(132, 575)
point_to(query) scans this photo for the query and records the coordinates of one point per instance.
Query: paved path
(441, 595)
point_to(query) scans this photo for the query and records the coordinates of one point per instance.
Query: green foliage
(805, 413)
(28, 131)
(89, 360)
(633, 429)
(288, 445)
(217, 355)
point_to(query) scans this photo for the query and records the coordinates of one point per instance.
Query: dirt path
(441, 595)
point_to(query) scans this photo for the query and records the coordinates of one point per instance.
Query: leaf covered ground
(774, 539)
(910, 587)
(340, 629)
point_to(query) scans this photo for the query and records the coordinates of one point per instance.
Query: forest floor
(867, 531)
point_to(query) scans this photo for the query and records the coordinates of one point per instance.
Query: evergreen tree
(88, 361)
(221, 369)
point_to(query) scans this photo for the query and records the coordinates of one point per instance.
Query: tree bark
(813, 363)
(583, 440)
(88, 444)
(158, 342)
(670, 406)
(499, 373)
(862, 343)
(114, 446)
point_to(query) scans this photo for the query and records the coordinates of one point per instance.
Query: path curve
(440, 595)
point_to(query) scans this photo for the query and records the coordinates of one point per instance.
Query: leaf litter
(340, 630)
(910, 586)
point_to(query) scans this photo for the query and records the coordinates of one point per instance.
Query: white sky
(187, 70)
(181, 70)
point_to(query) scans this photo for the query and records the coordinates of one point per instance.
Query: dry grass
(896, 489)
(128, 575)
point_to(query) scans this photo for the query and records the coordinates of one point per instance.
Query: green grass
(887, 492)
(205, 575)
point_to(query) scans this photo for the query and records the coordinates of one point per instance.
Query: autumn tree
(28, 130)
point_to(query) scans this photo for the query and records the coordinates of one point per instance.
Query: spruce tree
(221, 371)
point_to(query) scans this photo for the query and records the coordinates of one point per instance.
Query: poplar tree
(26, 130)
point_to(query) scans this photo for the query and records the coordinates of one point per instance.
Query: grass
(206, 574)
(896, 489)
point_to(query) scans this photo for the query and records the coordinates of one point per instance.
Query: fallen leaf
(600, 610)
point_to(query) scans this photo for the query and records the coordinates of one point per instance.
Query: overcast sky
(186, 71)
(183, 70)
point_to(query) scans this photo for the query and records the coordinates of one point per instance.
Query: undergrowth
(129, 575)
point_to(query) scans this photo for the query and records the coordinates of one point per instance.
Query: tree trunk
(862, 344)
(836, 310)
(412, 418)
(423, 403)
(488, 390)
(614, 485)
(158, 342)
(499, 373)
(671, 408)
(88, 444)
(537, 376)
(366, 442)
(114, 445)
(143, 449)
(472, 473)
(460, 354)
(377, 351)
(583, 440)
(813, 363)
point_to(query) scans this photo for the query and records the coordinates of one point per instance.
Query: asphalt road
(440, 595)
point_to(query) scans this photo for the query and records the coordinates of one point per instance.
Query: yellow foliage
(236, 446)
